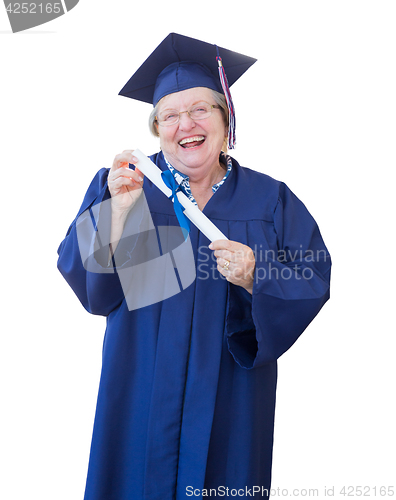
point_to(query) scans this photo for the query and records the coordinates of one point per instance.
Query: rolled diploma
(152, 172)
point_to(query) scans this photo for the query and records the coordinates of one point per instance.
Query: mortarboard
(180, 63)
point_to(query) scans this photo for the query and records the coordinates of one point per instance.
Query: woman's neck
(201, 179)
(201, 186)
(206, 179)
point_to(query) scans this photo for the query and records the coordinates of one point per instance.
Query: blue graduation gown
(187, 391)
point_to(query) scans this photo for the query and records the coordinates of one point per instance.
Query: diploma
(152, 172)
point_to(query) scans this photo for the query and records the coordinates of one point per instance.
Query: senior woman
(187, 394)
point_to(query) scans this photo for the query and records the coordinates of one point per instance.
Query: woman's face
(190, 145)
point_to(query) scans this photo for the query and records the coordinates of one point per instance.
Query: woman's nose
(185, 122)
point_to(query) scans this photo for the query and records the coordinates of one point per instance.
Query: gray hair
(219, 99)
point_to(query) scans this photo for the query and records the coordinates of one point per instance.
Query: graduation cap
(180, 63)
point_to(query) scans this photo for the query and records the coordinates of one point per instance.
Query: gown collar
(184, 181)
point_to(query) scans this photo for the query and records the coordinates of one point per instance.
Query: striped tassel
(230, 104)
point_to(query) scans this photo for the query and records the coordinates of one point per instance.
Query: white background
(318, 111)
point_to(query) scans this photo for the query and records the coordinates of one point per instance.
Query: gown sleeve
(291, 284)
(83, 256)
(86, 276)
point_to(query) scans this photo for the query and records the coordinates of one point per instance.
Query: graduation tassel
(230, 104)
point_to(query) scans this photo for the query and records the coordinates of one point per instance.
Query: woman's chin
(191, 157)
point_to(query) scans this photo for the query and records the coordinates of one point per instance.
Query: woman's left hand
(236, 262)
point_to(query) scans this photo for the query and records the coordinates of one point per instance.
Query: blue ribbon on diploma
(171, 183)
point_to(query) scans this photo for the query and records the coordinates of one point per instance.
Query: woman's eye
(170, 116)
(200, 109)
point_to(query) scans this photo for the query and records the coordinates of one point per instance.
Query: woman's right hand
(125, 185)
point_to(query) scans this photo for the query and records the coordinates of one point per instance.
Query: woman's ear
(224, 147)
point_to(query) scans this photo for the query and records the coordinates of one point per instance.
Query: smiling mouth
(192, 142)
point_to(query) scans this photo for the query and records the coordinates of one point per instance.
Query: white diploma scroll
(152, 172)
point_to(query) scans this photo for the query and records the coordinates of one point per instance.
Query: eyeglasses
(197, 112)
